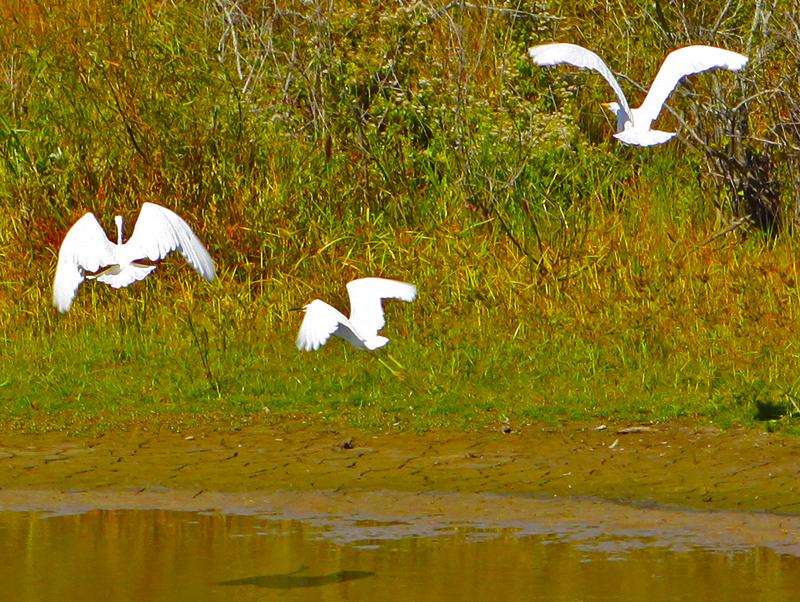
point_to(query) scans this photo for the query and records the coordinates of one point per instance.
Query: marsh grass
(561, 276)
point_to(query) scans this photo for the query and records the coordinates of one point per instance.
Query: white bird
(633, 125)
(366, 315)
(86, 248)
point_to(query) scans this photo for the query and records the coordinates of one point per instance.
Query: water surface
(153, 555)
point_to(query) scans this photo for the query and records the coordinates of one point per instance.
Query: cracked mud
(311, 469)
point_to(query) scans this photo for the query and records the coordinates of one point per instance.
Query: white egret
(366, 315)
(633, 125)
(86, 248)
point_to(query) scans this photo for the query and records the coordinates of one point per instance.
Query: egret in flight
(633, 125)
(86, 248)
(366, 315)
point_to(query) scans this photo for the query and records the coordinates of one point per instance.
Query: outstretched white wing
(366, 310)
(678, 64)
(319, 324)
(578, 56)
(86, 248)
(159, 232)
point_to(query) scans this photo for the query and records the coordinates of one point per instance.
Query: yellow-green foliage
(561, 275)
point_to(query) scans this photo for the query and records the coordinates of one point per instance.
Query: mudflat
(744, 481)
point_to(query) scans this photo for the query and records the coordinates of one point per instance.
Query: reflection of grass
(559, 273)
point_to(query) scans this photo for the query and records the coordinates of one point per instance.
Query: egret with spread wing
(634, 125)
(87, 249)
(366, 315)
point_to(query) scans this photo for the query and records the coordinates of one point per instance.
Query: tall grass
(561, 275)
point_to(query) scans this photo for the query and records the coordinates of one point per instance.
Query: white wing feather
(86, 248)
(578, 56)
(678, 64)
(366, 310)
(160, 231)
(321, 321)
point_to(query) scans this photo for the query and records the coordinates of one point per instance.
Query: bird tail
(120, 277)
(646, 138)
(376, 342)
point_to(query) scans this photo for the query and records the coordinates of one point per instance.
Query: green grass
(561, 275)
(627, 340)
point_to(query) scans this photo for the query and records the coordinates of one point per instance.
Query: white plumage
(366, 315)
(87, 249)
(634, 125)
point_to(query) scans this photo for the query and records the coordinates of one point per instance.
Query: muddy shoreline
(663, 466)
(704, 487)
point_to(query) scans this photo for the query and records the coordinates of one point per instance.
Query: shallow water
(188, 555)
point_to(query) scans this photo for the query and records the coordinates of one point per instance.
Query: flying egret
(633, 125)
(86, 248)
(366, 315)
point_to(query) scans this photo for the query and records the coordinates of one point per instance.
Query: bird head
(623, 123)
(612, 106)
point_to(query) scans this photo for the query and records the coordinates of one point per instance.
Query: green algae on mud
(656, 466)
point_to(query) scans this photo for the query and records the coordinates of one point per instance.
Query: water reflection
(290, 580)
(165, 555)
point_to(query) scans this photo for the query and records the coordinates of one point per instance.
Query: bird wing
(320, 322)
(678, 64)
(159, 232)
(578, 56)
(366, 310)
(86, 248)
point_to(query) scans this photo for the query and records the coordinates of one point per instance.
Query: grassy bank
(561, 275)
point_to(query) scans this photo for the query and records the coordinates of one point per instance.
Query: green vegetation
(562, 276)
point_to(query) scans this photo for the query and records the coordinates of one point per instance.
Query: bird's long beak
(296, 308)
